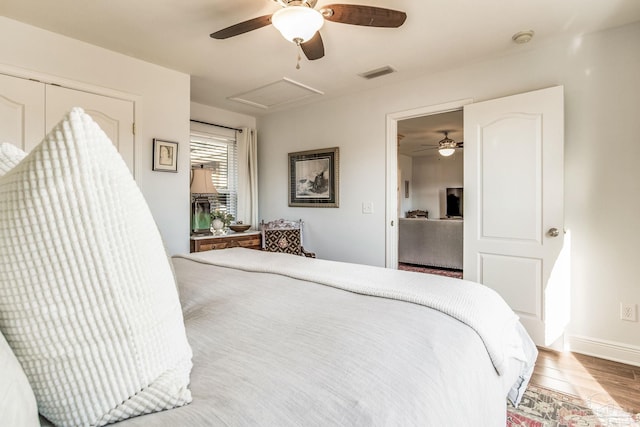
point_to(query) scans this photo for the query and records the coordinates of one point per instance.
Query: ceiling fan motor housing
(308, 3)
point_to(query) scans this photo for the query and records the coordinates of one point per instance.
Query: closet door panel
(114, 116)
(21, 111)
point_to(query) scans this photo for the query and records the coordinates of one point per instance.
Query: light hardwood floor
(589, 377)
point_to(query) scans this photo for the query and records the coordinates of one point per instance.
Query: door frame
(391, 191)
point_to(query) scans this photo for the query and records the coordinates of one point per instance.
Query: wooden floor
(590, 378)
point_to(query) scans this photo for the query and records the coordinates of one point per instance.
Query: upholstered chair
(284, 236)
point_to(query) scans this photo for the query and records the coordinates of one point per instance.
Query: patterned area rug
(547, 408)
(439, 271)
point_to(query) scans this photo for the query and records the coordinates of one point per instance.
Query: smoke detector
(523, 37)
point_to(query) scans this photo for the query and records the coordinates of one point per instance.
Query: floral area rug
(547, 408)
(439, 271)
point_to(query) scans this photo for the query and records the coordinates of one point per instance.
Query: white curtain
(248, 177)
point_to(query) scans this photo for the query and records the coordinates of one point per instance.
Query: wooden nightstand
(247, 239)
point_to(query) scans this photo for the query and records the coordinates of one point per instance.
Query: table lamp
(201, 189)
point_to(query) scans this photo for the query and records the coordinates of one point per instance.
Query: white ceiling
(437, 34)
(419, 136)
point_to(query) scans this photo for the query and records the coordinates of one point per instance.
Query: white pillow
(10, 156)
(87, 298)
(17, 403)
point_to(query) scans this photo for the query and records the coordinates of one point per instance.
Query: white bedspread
(274, 350)
(476, 305)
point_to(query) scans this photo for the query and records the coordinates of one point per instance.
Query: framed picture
(165, 156)
(314, 178)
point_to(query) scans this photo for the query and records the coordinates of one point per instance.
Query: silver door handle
(553, 232)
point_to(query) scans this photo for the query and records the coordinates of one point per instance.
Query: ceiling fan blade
(364, 15)
(314, 48)
(242, 27)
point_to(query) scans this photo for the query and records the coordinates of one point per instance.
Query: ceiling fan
(299, 22)
(446, 146)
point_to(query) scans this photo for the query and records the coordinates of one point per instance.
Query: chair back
(417, 214)
(282, 236)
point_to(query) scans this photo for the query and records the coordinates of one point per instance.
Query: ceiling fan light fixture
(447, 146)
(297, 24)
(446, 152)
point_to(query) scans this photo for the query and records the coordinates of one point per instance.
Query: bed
(278, 340)
(98, 326)
(282, 340)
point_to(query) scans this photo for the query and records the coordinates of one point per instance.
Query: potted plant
(220, 221)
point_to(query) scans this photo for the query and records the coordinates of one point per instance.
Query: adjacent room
(431, 177)
(305, 213)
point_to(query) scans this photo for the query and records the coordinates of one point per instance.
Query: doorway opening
(513, 203)
(430, 203)
(417, 133)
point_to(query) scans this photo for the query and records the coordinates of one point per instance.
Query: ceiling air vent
(378, 72)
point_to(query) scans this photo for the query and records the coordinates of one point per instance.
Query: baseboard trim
(610, 350)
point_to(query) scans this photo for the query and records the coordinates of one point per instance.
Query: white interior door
(513, 190)
(21, 112)
(115, 116)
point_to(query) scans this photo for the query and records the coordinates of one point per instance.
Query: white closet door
(115, 116)
(21, 112)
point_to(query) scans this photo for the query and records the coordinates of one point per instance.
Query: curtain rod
(220, 126)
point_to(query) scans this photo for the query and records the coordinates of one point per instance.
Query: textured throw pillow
(87, 297)
(10, 156)
(17, 403)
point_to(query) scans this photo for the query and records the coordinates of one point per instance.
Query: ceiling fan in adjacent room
(446, 146)
(299, 22)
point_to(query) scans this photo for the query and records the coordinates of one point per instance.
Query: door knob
(553, 232)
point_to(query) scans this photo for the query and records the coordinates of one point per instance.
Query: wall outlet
(367, 207)
(628, 312)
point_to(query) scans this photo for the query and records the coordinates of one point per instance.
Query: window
(217, 151)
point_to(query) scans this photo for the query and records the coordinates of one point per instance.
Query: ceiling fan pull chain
(298, 63)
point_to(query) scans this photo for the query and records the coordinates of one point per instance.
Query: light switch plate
(367, 207)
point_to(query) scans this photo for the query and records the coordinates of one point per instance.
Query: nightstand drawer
(251, 240)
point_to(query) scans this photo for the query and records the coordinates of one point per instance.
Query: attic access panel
(275, 94)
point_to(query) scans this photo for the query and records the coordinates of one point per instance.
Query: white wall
(161, 111)
(222, 117)
(357, 126)
(431, 177)
(602, 103)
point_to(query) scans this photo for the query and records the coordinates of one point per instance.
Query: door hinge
(133, 128)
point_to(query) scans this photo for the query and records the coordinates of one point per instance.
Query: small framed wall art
(314, 179)
(165, 155)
